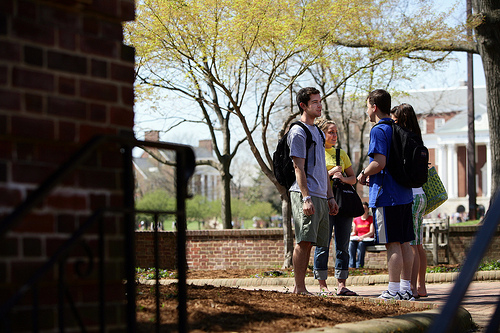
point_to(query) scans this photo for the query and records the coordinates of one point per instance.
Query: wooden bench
(436, 236)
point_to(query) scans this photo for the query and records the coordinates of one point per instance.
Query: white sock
(393, 288)
(405, 286)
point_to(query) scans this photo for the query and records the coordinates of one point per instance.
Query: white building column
(488, 169)
(452, 172)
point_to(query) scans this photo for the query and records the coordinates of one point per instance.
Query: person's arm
(375, 166)
(333, 208)
(370, 233)
(354, 231)
(300, 175)
(350, 176)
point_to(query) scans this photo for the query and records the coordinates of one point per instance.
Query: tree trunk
(288, 236)
(488, 36)
(226, 200)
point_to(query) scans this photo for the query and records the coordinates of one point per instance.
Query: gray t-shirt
(316, 167)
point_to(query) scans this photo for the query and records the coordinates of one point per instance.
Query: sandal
(346, 292)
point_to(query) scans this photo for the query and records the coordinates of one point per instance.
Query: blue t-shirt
(384, 190)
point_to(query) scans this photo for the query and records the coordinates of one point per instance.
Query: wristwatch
(363, 172)
(304, 199)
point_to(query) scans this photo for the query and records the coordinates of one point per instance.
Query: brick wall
(264, 248)
(65, 76)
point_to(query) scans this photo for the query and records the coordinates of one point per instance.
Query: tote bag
(434, 191)
(347, 198)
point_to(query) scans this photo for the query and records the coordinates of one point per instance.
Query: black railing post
(129, 226)
(182, 176)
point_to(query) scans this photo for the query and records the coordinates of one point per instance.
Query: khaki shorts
(313, 228)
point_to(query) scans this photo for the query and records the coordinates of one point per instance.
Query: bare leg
(301, 254)
(407, 261)
(421, 289)
(394, 261)
(323, 286)
(415, 269)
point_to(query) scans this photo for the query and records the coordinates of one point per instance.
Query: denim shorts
(312, 228)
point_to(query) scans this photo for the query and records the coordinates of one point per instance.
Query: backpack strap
(309, 141)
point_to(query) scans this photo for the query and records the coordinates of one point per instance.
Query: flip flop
(422, 295)
(347, 292)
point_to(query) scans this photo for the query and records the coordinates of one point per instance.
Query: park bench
(436, 236)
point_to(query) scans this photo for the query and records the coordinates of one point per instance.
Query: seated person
(361, 236)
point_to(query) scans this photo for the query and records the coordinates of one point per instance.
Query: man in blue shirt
(391, 203)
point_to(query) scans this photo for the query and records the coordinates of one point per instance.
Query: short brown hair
(382, 99)
(304, 95)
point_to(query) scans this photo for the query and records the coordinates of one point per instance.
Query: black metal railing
(484, 236)
(84, 265)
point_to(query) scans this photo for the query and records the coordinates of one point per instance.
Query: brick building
(65, 77)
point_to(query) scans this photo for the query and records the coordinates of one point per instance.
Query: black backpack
(282, 163)
(408, 158)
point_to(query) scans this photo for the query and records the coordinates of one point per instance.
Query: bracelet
(330, 198)
(304, 199)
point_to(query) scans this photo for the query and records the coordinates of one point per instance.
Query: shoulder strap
(309, 139)
(337, 156)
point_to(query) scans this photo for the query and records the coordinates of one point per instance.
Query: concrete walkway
(480, 300)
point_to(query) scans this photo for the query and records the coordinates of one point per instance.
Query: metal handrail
(185, 164)
(484, 236)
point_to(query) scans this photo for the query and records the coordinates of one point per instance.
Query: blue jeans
(359, 249)
(342, 227)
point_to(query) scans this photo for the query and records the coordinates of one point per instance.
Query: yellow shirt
(331, 160)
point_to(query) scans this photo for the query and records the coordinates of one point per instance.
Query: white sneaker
(406, 296)
(386, 295)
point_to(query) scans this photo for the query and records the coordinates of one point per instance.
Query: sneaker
(386, 295)
(406, 296)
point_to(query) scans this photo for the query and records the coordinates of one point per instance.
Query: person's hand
(334, 170)
(363, 179)
(333, 207)
(308, 207)
(338, 175)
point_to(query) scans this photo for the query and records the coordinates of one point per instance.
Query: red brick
(107, 7)
(9, 196)
(32, 128)
(127, 95)
(67, 201)
(122, 117)
(10, 100)
(127, 12)
(36, 33)
(87, 132)
(3, 75)
(10, 51)
(122, 73)
(34, 103)
(30, 173)
(67, 62)
(67, 39)
(98, 113)
(99, 46)
(67, 85)
(67, 108)
(99, 68)
(66, 131)
(91, 26)
(127, 53)
(3, 173)
(33, 79)
(25, 151)
(59, 17)
(32, 247)
(26, 10)
(98, 179)
(98, 90)
(7, 6)
(111, 30)
(33, 56)
(36, 223)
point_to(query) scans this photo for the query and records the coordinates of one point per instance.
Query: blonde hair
(323, 123)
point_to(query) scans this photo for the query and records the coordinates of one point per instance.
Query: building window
(422, 122)
(438, 122)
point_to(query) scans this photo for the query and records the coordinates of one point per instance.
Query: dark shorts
(393, 224)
